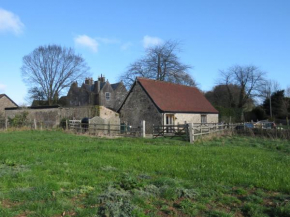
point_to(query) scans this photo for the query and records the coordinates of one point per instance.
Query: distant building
(164, 103)
(6, 102)
(98, 92)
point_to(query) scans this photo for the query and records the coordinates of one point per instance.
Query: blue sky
(215, 35)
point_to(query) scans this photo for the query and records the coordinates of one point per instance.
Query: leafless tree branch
(52, 69)
(160, 63)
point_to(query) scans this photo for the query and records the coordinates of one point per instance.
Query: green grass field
(51, 173)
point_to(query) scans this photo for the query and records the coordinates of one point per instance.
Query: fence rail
(6, 124)
(180, 130)
(103, 129)
(190, 131)
(200, 129)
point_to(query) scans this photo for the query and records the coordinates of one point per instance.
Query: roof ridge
(167, 82)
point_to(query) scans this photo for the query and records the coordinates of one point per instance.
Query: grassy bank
(48, 173)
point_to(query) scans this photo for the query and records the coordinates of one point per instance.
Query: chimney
(75, 84)
(101, 79)
(87, 81)
(97, 86)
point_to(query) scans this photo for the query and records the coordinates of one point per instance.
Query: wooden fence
(198, 130)
(190, 131)
(103, 129)
(180, 130)
(33, 125)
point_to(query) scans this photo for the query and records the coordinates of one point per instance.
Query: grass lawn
(51, 173)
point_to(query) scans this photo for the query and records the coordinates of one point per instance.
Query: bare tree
(250, 80)
(269, 87)
(52, 69)
(160, 63)
(287, 92)
(36, 93)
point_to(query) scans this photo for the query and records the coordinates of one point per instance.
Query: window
(108, 95)
(203, 119)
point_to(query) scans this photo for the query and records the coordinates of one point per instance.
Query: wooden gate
(180, 130)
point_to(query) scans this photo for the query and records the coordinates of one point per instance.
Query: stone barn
(6, 102)
(164, 103)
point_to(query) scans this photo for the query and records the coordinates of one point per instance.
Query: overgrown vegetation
(19, 120)
(49, 173)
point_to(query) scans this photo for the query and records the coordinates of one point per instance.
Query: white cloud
(10, 22)
(86, 41)
(149, 41)
(126, 46)
(2, 87)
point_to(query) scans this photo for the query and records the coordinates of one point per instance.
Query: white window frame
(107, 95)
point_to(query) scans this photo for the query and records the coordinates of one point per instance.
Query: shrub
(19, 120)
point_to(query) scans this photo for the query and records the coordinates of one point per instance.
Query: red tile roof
(169, 97)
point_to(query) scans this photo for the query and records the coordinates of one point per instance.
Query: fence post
(66, 124)
(143, 129)
(35, 125)
(190, 133)
(6, 123)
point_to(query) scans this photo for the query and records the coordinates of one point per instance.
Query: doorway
(169, 121)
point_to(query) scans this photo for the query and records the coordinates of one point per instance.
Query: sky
(214, 35)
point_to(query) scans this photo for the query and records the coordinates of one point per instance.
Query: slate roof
(102, 85)
(169, 97)
(114, 86)
(90, 88)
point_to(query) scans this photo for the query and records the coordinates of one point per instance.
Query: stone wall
(138, 107)
(105, 125)
(106, 113)
(5, 103)
(102, 96)
(120, 95)
(181, 118)
(52, 116)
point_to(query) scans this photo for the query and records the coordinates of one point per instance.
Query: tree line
(242, 93)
